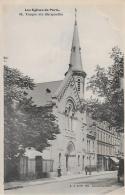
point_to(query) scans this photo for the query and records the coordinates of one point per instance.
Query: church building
(76, 146)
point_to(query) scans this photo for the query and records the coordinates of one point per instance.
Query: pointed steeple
(75, 58)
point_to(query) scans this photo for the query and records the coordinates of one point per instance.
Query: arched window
(93, 147)
(59, 159)
(101, 136)
(70, 148)
(78, 85)
(87, 146)
(69, 114)
(83, 157)
(78, 160)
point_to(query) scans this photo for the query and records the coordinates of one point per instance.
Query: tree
(106, 84)
(24, 123)
(41, 126)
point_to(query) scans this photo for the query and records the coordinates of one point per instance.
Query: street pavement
(94, 184)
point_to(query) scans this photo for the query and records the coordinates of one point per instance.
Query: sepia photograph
(63, 75)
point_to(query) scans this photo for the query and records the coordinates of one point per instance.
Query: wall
(76, 134)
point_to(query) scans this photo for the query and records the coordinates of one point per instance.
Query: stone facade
(69, 149)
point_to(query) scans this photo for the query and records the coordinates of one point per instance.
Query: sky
(39, 46)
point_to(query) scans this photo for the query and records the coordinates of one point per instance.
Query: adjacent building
(108, 145)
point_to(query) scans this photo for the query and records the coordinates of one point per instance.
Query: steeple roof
(75, 58)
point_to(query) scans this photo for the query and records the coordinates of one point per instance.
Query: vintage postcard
(63, 89)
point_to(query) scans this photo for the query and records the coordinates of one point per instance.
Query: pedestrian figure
(86, 170)
(59, 171)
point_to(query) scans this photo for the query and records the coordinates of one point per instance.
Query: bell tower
(76, 62)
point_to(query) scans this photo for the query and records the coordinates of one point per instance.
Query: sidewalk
(21, 184)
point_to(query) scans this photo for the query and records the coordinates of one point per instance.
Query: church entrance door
(70, 157)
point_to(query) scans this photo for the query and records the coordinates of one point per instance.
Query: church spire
(75, 58)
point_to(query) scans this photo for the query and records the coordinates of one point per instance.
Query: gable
(68, 90)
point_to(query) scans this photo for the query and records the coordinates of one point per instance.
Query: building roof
(31, 152)
(43, 92)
